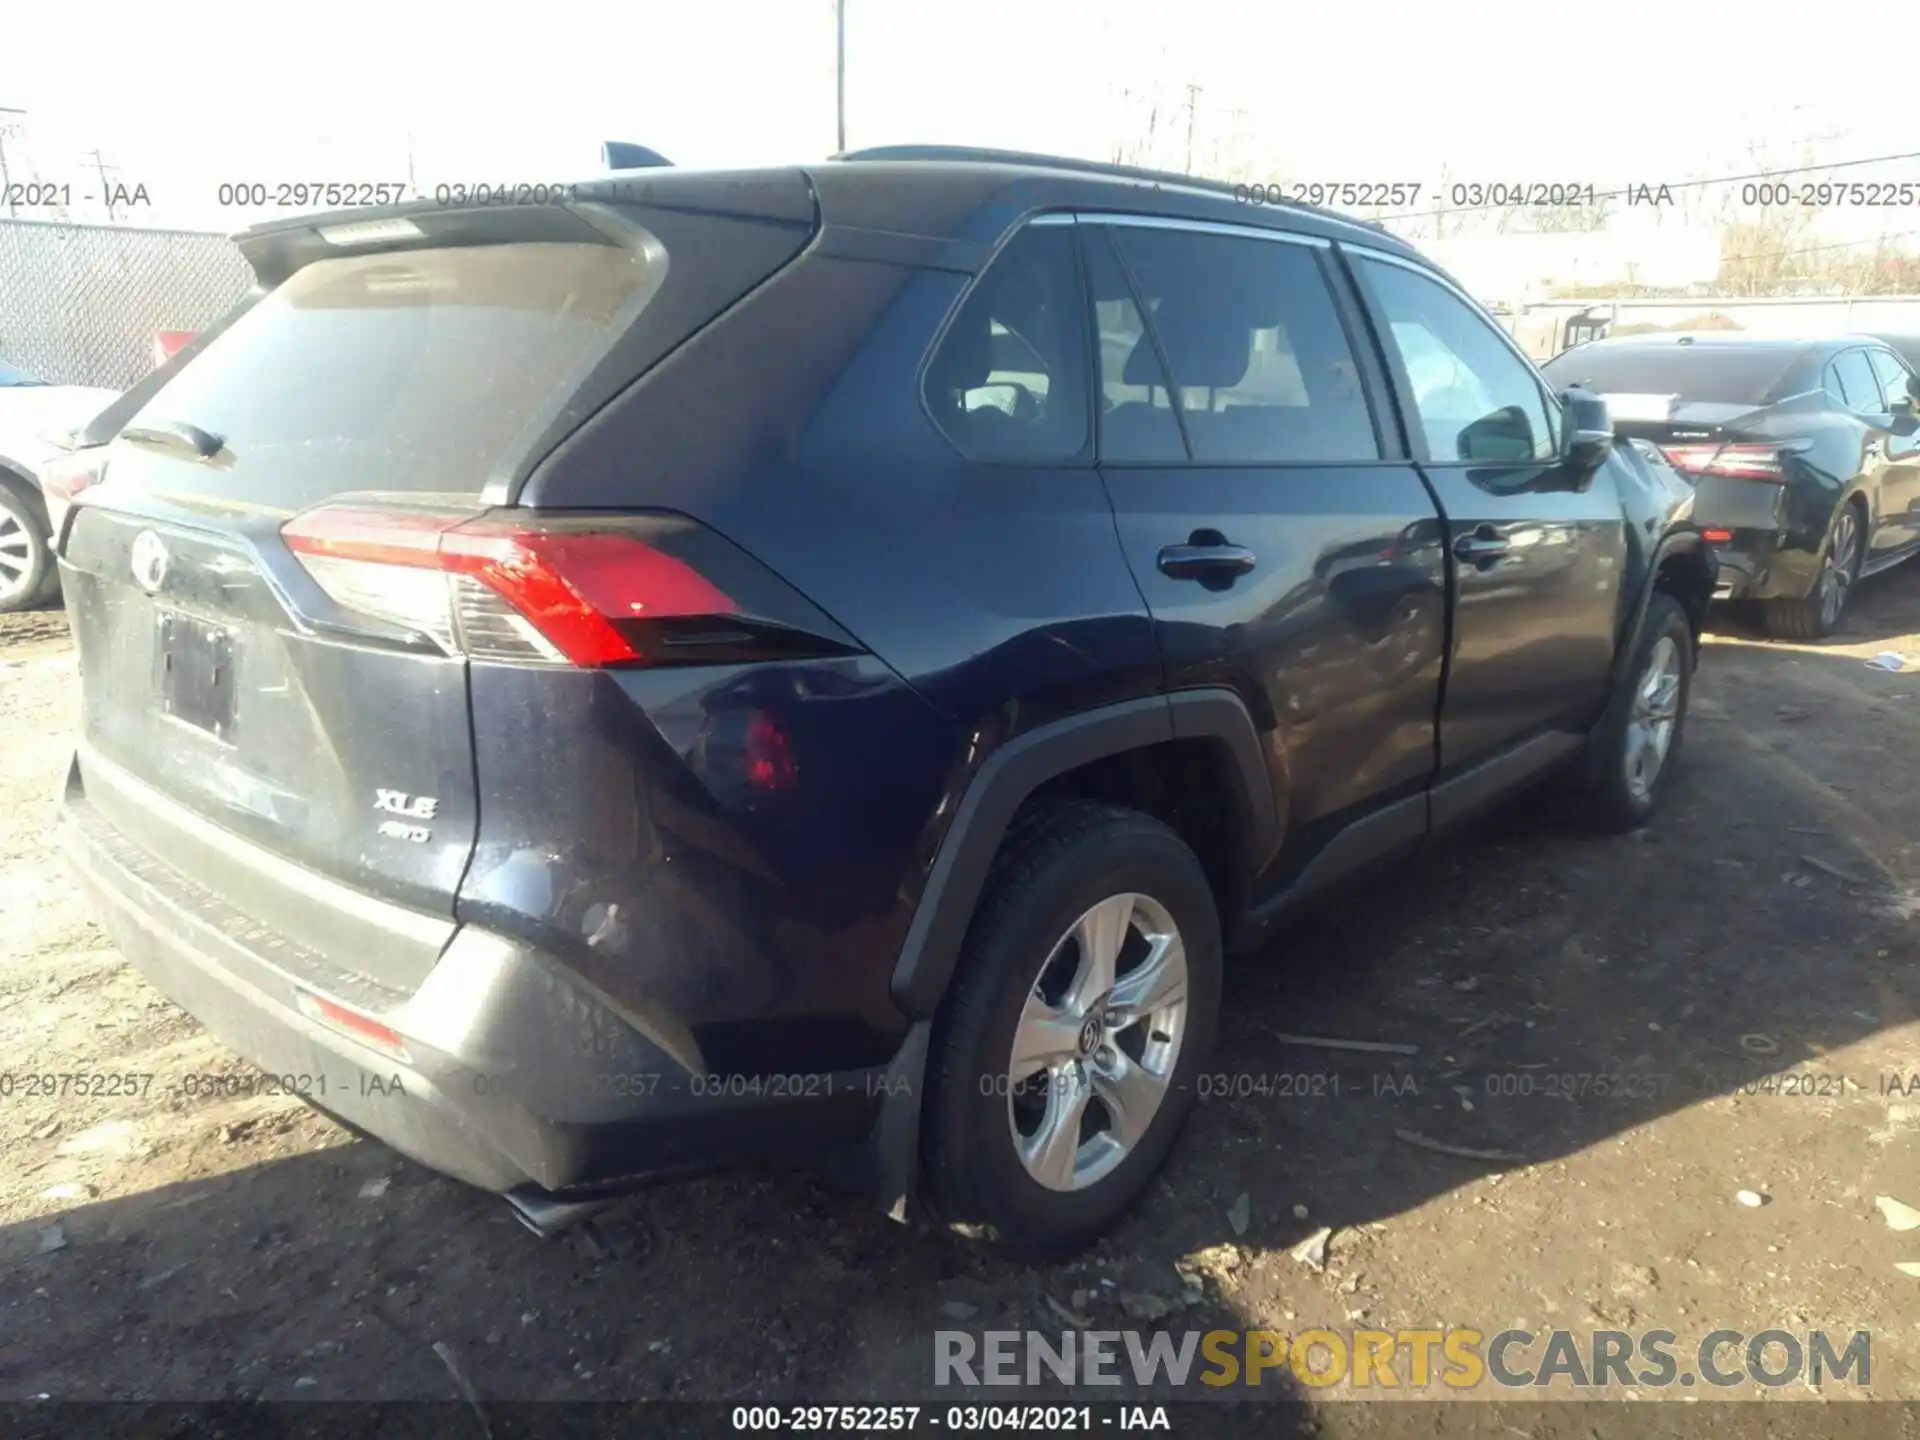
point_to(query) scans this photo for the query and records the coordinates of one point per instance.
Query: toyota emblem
(149, 561)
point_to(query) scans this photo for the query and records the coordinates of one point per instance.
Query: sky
(184, 97)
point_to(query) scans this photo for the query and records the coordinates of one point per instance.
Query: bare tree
(1571, 219)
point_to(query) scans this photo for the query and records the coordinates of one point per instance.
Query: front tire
(1819, 614)
(1633, 750)
(26, 551)
(1086, 1000)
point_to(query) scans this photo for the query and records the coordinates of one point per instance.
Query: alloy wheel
(1837, 568)
(1655, 716)
(16, 555)
(1097, 1042)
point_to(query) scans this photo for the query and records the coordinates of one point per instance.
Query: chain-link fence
(82, 304)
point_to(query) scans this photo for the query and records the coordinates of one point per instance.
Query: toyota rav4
(825, 660)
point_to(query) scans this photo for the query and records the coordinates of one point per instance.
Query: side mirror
(1589, 435)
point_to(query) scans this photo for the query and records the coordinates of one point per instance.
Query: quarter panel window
(1476, 401)
(1258, 359)
(1009, 379)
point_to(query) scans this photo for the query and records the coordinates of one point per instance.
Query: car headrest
(966, 355)
(1204, 347)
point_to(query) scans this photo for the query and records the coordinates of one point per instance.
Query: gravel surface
(167, 1245)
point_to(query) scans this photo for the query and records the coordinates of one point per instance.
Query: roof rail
(976, 155)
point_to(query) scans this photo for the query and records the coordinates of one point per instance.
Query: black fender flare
(1685, 541)
(1013, 772)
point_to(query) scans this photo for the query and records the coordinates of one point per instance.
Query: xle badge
(414, 807)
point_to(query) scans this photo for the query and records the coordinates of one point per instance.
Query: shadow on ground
(1758, 928)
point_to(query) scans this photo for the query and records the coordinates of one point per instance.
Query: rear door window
(1008, 380)
(1257, 355)
(1137, 421)
(416, 371)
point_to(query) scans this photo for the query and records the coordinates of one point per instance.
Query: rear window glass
(1715, 375)
(414, 371)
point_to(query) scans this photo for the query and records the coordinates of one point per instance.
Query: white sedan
(35, 418)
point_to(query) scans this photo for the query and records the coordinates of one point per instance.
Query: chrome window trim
(1129, 220)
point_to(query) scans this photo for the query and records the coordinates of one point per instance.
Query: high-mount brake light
(528, 590)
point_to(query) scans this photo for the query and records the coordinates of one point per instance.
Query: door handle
(1205, 562)
(1481, 548)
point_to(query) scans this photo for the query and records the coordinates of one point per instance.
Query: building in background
(1546, 327)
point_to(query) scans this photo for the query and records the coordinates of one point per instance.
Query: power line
(1671, 185)
(1816, 249)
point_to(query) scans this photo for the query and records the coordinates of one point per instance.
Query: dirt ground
(178, 1247)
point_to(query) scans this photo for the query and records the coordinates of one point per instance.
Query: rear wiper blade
(177, 435)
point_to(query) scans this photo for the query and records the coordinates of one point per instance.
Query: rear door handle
(1205, 562)
(1483, 547)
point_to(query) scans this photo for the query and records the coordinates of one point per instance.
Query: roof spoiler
(620, 155)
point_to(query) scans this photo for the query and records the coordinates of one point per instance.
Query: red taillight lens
(78, 470)
(1716, 537)
(1742, 462)
(67, 476)
(555, 591)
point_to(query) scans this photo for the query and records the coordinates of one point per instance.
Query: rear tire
(1633, 750)
(26, 551)
(1096, 947)
(1819, 614)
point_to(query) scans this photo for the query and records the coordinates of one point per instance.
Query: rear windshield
(417, 371)
(1716, 375)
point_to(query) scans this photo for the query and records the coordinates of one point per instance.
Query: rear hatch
(296, 545)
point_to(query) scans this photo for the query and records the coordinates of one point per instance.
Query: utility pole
(840, 75)
(106, 195)
(8, 129)
(1193, 103)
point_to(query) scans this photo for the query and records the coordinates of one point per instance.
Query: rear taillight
(67, 476)
(1740, 462)
(530, 590)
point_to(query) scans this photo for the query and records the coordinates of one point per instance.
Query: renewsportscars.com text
(1455, 1359)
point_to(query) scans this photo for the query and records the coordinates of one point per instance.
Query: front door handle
(1205, 562)
(1481, 548)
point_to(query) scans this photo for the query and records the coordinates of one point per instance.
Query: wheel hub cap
(1091, 1034)
(1097, 1041)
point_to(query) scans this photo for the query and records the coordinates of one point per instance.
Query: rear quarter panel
(991, 599)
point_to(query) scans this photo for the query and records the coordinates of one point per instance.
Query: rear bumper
(1759, 565)
(1776, 534)
(515, 1074)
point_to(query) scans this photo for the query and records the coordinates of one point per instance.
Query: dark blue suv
(823, 661)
